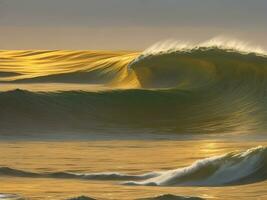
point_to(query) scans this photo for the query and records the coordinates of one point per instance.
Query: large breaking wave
(206, 88)
(235, 168)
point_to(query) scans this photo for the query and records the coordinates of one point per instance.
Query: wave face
(235, 168)
(207, 88)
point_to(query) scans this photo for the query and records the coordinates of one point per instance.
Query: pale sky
(127, 24)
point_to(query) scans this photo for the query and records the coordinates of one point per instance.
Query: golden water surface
(133, 157)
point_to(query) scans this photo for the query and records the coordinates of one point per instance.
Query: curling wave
(206, 88)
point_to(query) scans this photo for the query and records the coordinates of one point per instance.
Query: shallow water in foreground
(122, 157)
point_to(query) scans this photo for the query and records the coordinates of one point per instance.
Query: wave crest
(199, 66)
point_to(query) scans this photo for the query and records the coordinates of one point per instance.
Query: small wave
(100, 176)
(171, 197)
(230, 169)
(6, 171)
(235, 168)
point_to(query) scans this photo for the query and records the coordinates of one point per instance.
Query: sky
(127, 24)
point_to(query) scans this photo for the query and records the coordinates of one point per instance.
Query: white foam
(228, 44)
(8, 197)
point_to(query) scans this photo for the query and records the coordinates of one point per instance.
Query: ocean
(175, 121)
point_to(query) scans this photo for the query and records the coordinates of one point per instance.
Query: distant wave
(235, 168)
(6, 171)
(59, 66)
(214, 87)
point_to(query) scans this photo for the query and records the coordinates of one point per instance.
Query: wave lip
(196, 67)
(226, 44)
(230, 169)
